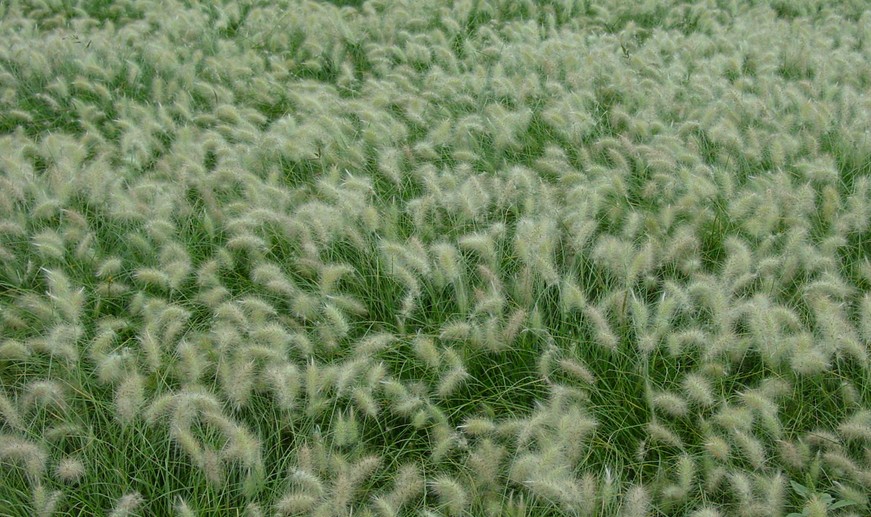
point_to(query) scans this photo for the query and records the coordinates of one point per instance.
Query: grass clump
(409, 258)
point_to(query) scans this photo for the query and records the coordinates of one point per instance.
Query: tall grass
(496, 257)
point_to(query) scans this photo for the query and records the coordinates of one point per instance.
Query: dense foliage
(472, 258)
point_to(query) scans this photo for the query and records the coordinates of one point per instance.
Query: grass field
(426, 258)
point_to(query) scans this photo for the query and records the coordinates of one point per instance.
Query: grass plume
(434, 258)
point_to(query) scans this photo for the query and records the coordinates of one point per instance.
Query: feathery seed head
(187, 442)
(335, 320)
(331, 274)
(640, 315)
(183, 508)
(706, 512)
(670, 404)
(30, 455)
(295, 503)
(426, 351)
(482, 244)
(849, 393)
(647, 343)
(686, 472)
(857, 495)
(752, 448)
(661, 434)
(212, 467)
(456, 331)
(407, 484)
(302, 344)
(742, 487)
(44, 393)
(604, 336)
(486, 462)
(273, 335)
(306, 481)
(816, 507)
(513, 326)
(443, 440)
(127, 504)
(345, 430)
(822, 440)
(840, 465)
(448, 260)
(718, 448)
(365, 402)
(808, 359)
(284, 380)
(571, 296)
(643, 262)
(765, 409)
(636, 502)
(241, 446)
(44, 502)
(349, 479)
(478, 426)
(151, 277)
(546, 362)
(451, 494)
(129, 398)
(421, 418)
(375, 373)
(576, 424)
(70, 470)
(865, 316)
(232, 314)
(191, 362)
(50, 245)
(523, 286)
(9, 412)
(383, 507)
(151, 345)
(63, 431)
(857, 426)
(451, 381)
(14, 350)
(237, 378)
(698, 390)
(394, 389)
(732, 417)
(274, 280)
(69, 301)
(773, 488)
(578, 370)
(373, 344)
(305, 306)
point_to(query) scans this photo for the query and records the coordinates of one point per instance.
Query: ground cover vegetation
(425, 258)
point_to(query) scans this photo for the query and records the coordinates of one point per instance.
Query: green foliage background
(484, 257)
